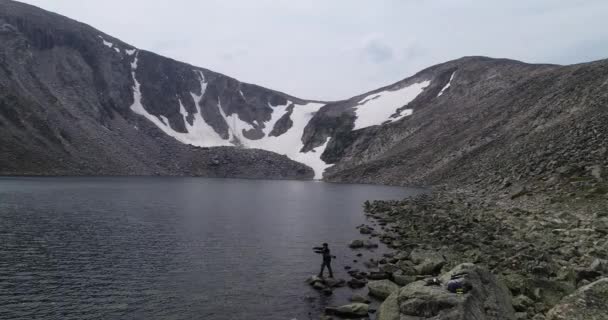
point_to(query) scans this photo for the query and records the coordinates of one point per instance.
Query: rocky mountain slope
(497, 119)
(74, 100)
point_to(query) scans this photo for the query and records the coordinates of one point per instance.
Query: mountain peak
(75, 92)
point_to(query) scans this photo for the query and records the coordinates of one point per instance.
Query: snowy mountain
(74, 100)
(277, 128)
(67, 68)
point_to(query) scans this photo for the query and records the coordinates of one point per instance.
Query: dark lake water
(173, 248)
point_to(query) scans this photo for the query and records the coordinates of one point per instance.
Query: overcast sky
(334, 49)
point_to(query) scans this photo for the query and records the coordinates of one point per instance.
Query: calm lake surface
(173, 248)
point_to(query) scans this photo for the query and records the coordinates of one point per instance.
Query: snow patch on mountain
(201, 134)
(235, 126)
(106, 43)
(312, 159)
(377, 108)
(447, 85)
(165, 120)
(290, 143)
(110, 44)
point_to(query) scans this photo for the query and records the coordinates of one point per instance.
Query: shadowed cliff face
(66, 97)
(74, 100)
(166, 84)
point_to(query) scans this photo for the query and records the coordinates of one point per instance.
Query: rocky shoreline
(543, 256)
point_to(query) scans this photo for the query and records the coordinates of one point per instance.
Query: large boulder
(597, 268)
(389, 309)
(353, 310)
(389, 268)
(521, 303)
(407, 269)
(587, 303)
(381, 289)
(427, 261)
(488, 299)
(403, 279)
(599, 265)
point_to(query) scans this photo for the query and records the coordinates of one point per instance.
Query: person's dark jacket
(325, 252)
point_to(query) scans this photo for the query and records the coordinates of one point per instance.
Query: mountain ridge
(36, 42)
(60, 73)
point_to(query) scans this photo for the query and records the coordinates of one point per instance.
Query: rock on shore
(381, 289)
(587, 303)
(488, 299)
(542, 253)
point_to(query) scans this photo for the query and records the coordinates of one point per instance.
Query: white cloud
(377, 50)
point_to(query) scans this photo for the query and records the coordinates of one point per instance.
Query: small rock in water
(335, 283)
(356, 283)
(353, 271)
(319, 286)
(369, 244)
(370, 264)
(366, 230)
(378, 276)
(356, 244)
(313, 279)
(359, 298)
(353, 310)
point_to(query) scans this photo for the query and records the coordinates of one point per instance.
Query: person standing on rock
(324, 250)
